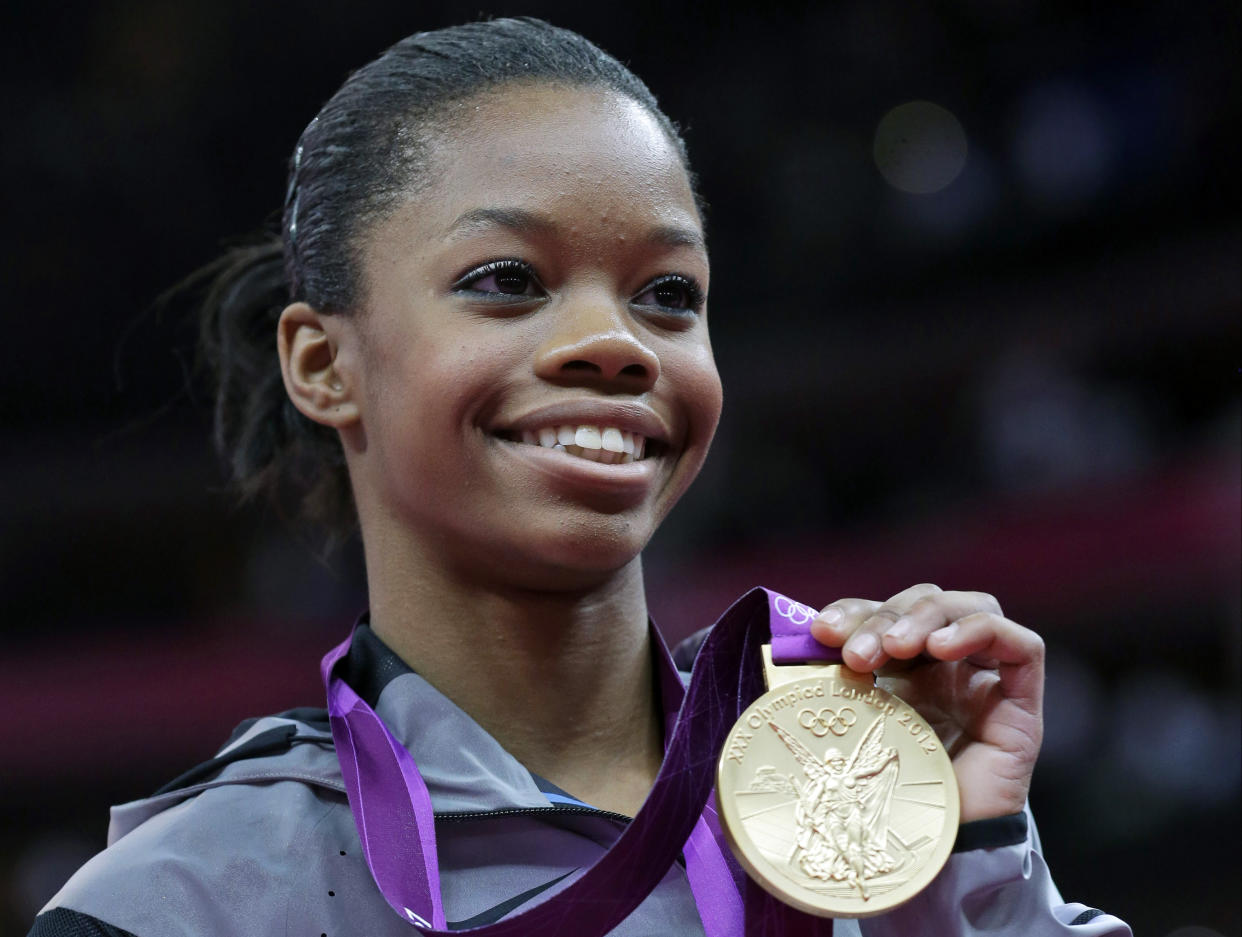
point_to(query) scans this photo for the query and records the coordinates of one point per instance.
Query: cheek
(699, 381)
(443, 389)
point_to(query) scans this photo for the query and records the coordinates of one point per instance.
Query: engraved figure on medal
(843, 809)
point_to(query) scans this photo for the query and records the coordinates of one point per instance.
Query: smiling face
(531, 366)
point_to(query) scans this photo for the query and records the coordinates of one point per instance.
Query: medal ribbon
(791, 633)
(396, 827)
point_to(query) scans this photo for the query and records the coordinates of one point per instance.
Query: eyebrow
(521, 221)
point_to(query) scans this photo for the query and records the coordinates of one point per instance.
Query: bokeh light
(1063, 144)
(920, 147)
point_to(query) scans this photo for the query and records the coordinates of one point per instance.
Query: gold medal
(836, 796)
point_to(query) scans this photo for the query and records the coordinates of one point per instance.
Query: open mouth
(607, 444)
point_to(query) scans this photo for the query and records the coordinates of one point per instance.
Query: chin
(570, 559)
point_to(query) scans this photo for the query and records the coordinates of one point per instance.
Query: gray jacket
(260, 841)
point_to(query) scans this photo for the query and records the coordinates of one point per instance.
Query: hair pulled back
(355, 162)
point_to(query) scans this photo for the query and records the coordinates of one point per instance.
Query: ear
(308, 363)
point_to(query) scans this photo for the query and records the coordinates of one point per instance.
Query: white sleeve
(989, 892)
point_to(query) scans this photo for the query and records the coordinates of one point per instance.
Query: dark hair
(357, 158)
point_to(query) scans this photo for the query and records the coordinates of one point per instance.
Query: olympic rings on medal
(796, 612)
(826, 720)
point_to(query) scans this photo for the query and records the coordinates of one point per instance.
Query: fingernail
(901, 629)
(833, 616)
(865, 646)
(946, 633)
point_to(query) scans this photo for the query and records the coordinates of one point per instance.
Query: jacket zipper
(534, 811)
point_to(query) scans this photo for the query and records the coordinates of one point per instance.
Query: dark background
(1024, 382)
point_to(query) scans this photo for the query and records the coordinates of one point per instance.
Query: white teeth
(606, 444)
(612, 440)
(588, 437)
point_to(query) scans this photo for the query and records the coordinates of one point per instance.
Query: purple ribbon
(392, 809)
(791, 633)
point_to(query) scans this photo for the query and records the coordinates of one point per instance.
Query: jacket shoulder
(228, 847)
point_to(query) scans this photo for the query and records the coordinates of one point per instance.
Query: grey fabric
(268, 847)
(470, 771)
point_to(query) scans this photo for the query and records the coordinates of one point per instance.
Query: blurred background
(976, 303)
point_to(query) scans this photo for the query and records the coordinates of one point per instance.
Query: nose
(593, 341)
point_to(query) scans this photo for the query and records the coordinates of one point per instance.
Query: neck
(562, 679)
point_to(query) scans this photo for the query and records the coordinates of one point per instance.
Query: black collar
(371, 664)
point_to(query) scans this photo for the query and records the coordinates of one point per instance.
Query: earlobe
(308, 363)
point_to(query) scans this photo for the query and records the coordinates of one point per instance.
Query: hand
(974, 675)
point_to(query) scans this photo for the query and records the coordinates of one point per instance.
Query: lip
(627, 417)
(617, 486)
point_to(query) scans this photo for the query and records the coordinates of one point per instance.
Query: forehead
(559, 151)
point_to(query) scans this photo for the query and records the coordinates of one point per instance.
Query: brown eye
(672, 292)
(501, 278)
(511, 282)
(673, 296)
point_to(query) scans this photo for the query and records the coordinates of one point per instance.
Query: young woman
(483, 334)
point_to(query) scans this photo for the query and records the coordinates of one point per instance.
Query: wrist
(991, 832)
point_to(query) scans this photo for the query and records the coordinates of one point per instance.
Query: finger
(907, 635)
(836, 622)
(993, 641)
(864, 650)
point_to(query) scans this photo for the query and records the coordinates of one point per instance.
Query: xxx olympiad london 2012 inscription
(836, 796)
